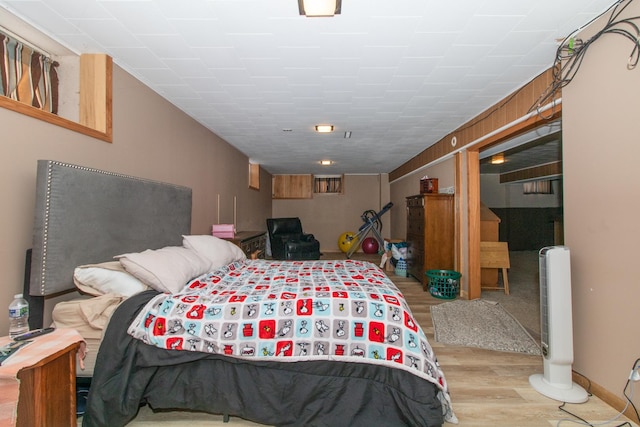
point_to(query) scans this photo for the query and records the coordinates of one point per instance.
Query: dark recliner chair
(289, 242)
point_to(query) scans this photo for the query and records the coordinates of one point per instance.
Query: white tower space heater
(556, 328)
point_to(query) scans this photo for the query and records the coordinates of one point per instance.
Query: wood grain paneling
(512, 108)
(550, 169)
(292, 186)
(96, 72)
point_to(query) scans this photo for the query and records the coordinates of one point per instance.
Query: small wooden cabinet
(39, 381)
(430, 234)
(489, 232)
(292, 186)
(252, 243)
(48, 390)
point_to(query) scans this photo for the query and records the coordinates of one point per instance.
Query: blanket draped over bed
(284, 343)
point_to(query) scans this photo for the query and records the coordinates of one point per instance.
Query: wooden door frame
(473, 189)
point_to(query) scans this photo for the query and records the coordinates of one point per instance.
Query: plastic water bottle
(18, 316)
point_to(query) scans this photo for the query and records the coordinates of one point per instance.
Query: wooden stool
(496, 255)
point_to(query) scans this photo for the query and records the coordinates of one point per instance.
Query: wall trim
(606, 396)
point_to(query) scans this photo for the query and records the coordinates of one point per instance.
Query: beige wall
(327, 216)
(152, 139)
(601, 205)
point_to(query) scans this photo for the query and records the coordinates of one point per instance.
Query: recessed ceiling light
(497, 159)
(347, 134)
(325, 162)
(324, 128)
(322, 8)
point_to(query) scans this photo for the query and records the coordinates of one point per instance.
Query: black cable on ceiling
(572, 51)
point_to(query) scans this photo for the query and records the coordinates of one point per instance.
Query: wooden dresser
(430, 234)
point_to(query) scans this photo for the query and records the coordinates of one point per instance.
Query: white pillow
(106, 278)
(167, 269)
(218, 252)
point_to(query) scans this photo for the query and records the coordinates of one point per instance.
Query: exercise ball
(345, 241)
(370, 246)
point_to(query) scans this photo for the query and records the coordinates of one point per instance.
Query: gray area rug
(523, 302)
(482, 324)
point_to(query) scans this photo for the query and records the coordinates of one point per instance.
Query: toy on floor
(346, 240)
(370, 246)
(372, 224)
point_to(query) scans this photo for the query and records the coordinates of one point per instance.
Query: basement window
(254, 176)
(538, 187)
(28, 76)
(327, 184)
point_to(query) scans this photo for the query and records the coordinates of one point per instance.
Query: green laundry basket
(444, 284)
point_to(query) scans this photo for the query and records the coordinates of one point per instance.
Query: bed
(276, 342)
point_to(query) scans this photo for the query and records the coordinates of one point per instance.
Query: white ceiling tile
(488, 29)
(271, 85)
(139, 17)
(107, 32)
(204, 84)
(404, 83)
(417, 66)
(512, 45)
(407, 71)
(506, 7)
(78, 9)
(39, 11)
(444, 74)
(462, 55)
(178, 91)
(171, 9)
(431, 44)
(136, 58)
(202, 33)
(159, 76)
(339, 83)
(167, 46)
(375, 75)
(241, 91)
(188, 67)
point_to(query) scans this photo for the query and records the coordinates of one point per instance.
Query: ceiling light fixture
(347, 134)
(497, 159)
(319, 8)
(324, 128)
(325, 162)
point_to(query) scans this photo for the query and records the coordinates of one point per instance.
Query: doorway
(521, 186)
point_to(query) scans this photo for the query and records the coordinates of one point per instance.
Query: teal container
(444, 284)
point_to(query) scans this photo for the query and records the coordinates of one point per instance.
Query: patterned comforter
(291, 311)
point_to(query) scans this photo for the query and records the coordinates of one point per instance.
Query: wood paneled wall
(514, 107)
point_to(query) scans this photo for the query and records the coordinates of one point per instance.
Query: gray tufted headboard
(86, 216)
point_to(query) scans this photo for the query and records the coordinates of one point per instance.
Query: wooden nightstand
(253, 243)
(46, 369)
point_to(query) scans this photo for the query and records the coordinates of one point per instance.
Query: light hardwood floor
(488, 388)
(491, 388)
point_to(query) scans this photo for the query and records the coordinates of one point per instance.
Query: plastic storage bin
(401, 268)
(444, 284)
